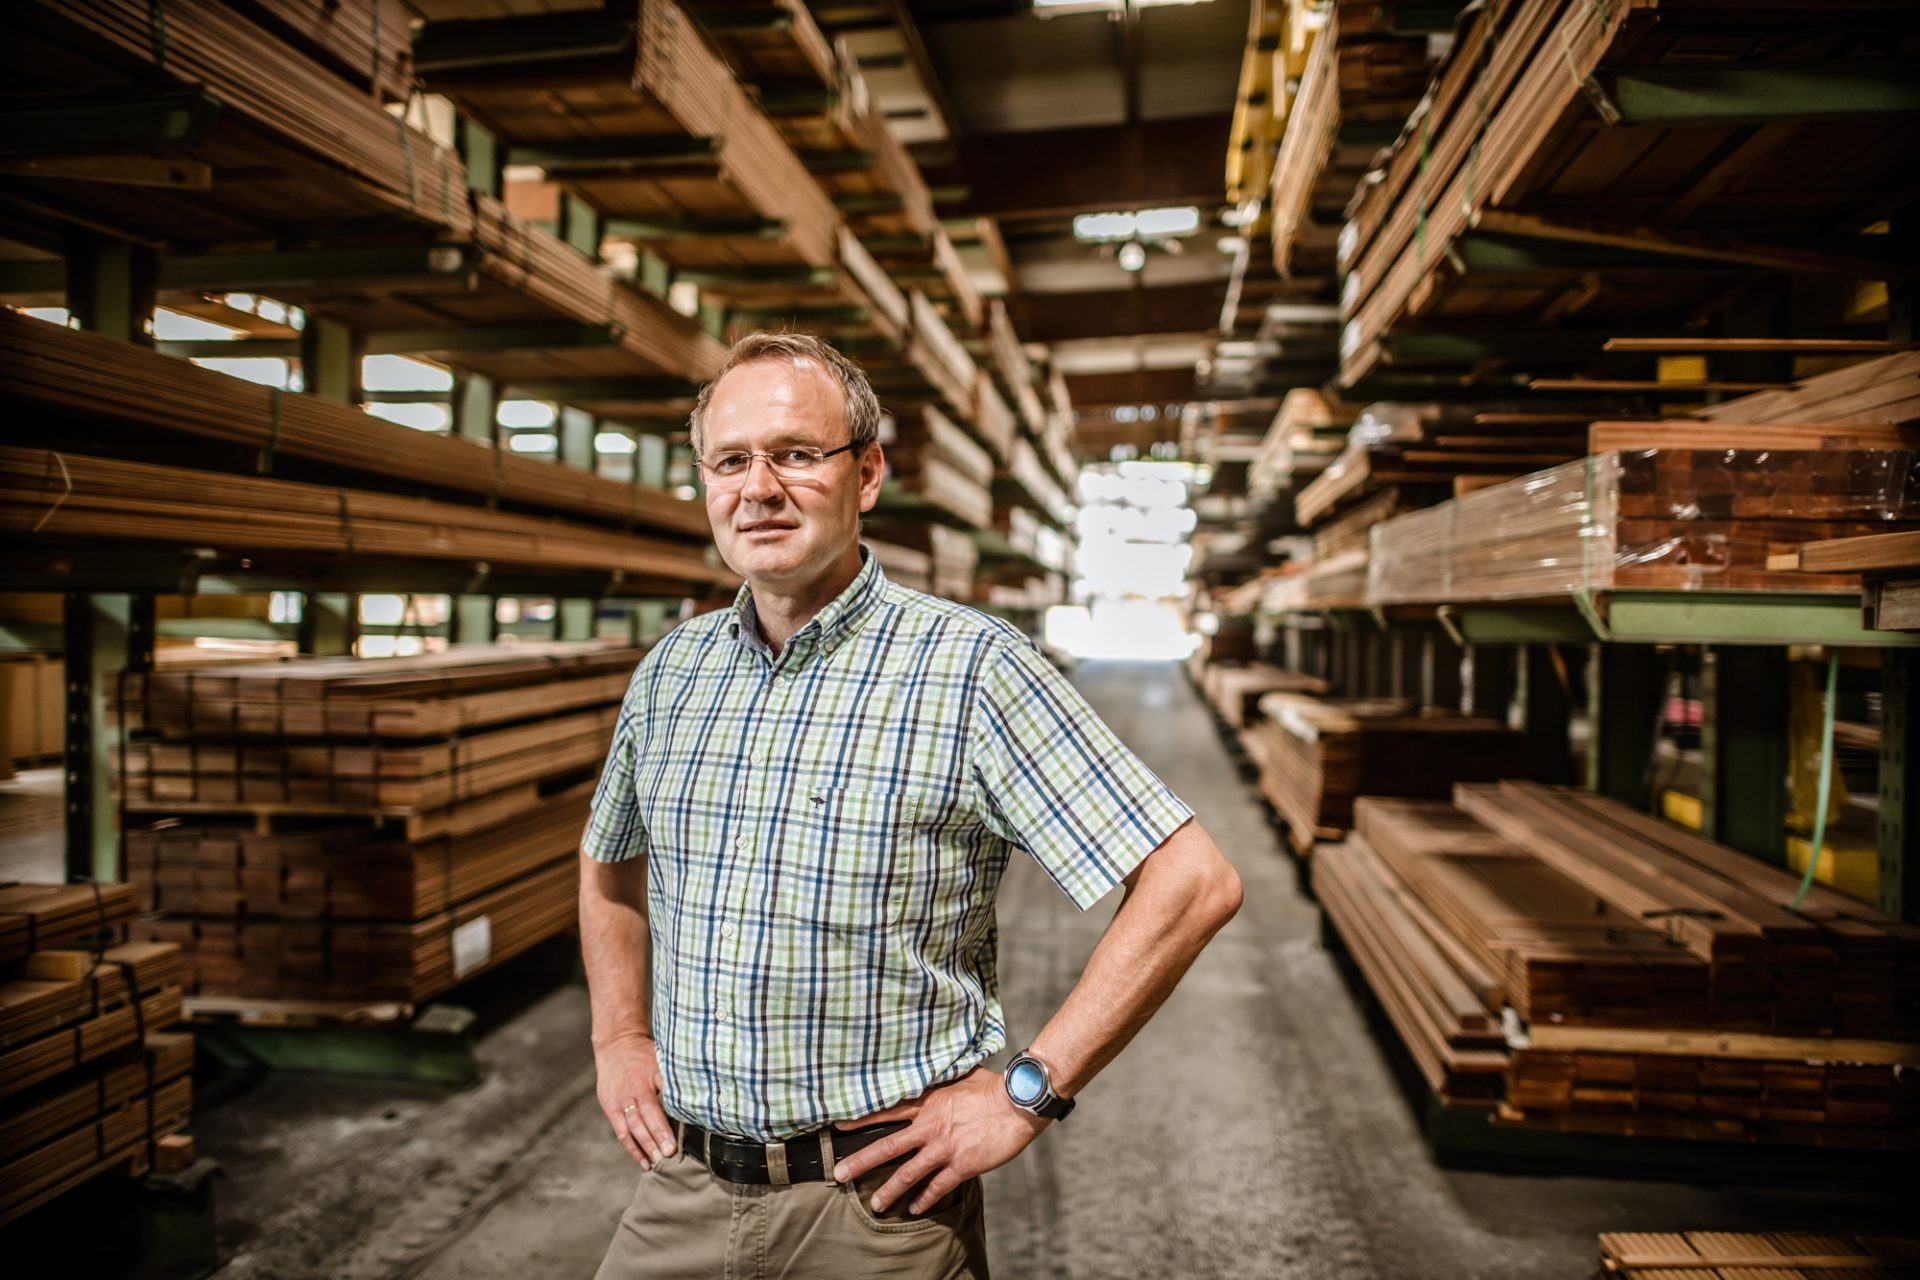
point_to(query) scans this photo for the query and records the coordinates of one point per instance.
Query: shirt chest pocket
(853, 869)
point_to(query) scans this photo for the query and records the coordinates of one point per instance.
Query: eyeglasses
(790, 462)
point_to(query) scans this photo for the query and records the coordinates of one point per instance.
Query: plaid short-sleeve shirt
(825, 832)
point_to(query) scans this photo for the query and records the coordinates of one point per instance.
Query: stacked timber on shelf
(1889, 569)
(1235, 691)
(93, 393)
(1777, 1255)
(903, 565)
(1317, 755)
(631, 111)
(90, 1079)
(1429, 449)
(950, 555)
(1658, 506)
(1651, 983)
(50, 499)
(414, 819)
(1882, 392)
(1307, 433)
(223, 94)
(1554, 172)
(1013, 371)
(368, 42)
(939, 465)
(815, 95)
(1357, 88)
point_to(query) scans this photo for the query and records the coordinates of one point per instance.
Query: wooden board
(34, 916)
(1773, 1255)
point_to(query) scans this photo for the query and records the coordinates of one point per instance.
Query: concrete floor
(1253, 1130)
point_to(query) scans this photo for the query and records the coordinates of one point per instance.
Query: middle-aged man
(788, 879)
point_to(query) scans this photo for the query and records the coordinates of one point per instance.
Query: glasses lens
(728, 465)
(797, 459)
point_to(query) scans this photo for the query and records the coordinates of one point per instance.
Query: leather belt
(778, 1164)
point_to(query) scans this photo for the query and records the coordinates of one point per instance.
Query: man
(788, 879)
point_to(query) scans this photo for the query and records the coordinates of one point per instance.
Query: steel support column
(330, 360)
(1627, 683)
(1899, 783)
(329, 623)
(476, 407)
(103, 635)
(1546, 707)
(1743, 749)
(574, 619)
(1487, 680)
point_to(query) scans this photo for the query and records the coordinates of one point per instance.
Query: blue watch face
(1026, 1083)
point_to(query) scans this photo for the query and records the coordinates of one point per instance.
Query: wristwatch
(1030, 1087)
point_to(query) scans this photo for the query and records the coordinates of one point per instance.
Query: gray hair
(801, 350)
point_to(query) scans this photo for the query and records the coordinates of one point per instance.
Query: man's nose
(761, 484)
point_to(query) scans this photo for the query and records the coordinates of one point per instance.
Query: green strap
(157, 19)
(1826, 781)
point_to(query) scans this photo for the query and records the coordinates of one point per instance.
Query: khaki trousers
(686, 1224)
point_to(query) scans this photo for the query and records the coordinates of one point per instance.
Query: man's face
(786, 531)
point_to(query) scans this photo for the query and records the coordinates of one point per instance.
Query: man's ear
(873, 469)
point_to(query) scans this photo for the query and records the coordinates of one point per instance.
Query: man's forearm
(1176, 901)
(614, 946)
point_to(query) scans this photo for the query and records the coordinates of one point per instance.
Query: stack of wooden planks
(631, 110)
(1434, 447)
(52, 498)
(74, 386)
(1235, 691)
(952, 554)
(1882, 392)
(417, 818)
(1889, 569)
(1714, 1015)
(89, 1080)
(1553, 126)
(1774, 1255)
(1307, 432)
(937, 463)
(1012, 369)
(1317, 755)
(318, 149)
(33, 916)
(1834, 967)
(367, 42)
(903, 565)
(1693, 516)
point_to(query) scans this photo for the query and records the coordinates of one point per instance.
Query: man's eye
(730, 462)
(796, 457)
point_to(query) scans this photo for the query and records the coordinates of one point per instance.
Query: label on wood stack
(472, 947)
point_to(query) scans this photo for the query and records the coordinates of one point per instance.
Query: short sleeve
(615, 831)
(1056, 781)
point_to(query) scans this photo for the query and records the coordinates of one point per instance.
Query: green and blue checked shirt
(825, 833)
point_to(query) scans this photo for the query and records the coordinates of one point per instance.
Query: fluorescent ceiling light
(1160, 223)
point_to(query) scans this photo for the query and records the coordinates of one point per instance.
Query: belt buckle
(777, 1164)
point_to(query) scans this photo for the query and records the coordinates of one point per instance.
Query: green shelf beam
(502, 45)
(104, 124)
(695, 228)
(1676, 617)
(1755, 94)
(641, 153)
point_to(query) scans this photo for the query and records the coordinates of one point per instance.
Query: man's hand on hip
(959, 1130)
(629, 1087)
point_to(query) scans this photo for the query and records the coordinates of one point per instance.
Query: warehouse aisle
(1252, 1130)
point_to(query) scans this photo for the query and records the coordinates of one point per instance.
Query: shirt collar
(831, 626)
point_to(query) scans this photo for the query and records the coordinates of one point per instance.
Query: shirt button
(776, 681)
(721, 1011)
(757, 758)
(739, 842)
(727, 930)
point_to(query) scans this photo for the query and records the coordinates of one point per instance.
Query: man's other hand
(629, 1087)
(959, 1130)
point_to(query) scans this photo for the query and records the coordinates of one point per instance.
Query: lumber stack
(52, 498)
(89, 1078)
(64, 386)
(318, 149)
(1524, 137)
(1361, 80)
(1881, 392)
(1835, 967)
(1776, 1255)
(1319, 754)
(415, 819)
(367, 42)
(1306, 434)
(1616, 1021)
(1435, 446)
(1013, 370)
(1889, 569)
(36, 916)
(935, 461)
(1661, 518)
(1451, 1033)
(904, 565)
(952, 554)
(1235, 691)
(637, 115)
